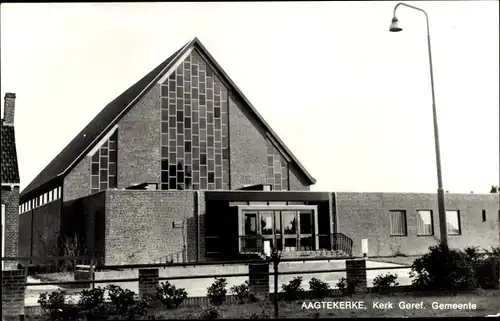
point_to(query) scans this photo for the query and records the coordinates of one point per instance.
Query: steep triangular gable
(109, 116)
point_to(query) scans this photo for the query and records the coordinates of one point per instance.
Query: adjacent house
(10, 184)
(181, 166)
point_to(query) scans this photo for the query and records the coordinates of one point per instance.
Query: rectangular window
(425, 224)
(484, 215)
(453, 222)
(306, 223)
(397, 220)
(289, 223)
(266, 223)
(250, 224)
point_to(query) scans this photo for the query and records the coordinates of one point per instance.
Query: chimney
(9, 107)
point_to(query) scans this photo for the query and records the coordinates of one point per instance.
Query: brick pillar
(259, 284)
(356, 273)
(148, 281)
(13, 288)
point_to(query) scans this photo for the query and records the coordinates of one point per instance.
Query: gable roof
(110, 115)
(9, 166)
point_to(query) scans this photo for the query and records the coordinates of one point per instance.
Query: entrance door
(249, 241)
(270, 228)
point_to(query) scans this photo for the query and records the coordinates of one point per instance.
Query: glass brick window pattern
(103, 165)
(194, 128)
(277, 168)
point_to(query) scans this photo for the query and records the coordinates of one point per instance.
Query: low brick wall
(13, 290)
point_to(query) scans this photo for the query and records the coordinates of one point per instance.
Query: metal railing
(342, 243)
(252, 244)
(337, 242)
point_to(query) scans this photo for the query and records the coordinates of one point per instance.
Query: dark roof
(109, 116)
(10, 168)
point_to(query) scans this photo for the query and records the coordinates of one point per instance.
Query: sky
(351, 100)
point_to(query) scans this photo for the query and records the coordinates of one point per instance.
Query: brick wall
(297, 180)
(85, 217)
(46, 229)
(40, 237)
(139, 148)
(25, 234)
(138, 225)
(366, 215)
(356, 275)
(139, 141)
(248, 147)
(77, 182)
(13, 288)
(10, 197)
(148, 281)
(258, 280)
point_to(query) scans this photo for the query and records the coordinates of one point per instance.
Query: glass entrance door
(288, 230)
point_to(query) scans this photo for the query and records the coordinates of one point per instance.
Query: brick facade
(248, 147)
(77, 181)
(356, 275)
(140, 146)
(10, 197)
(13, 288)
(258, 280)
(139, 225)
(139, 142)
(297, 180)
(84, 218)
(366, 215)
(40, 237)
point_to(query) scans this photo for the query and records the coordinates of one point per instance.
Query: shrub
(472, 253)
(382, 283)
(216, 293)
(319, 289)
(242, 292)
(210, 313)
(125, 303)
(92, 304)
(170, 296)
(54, 306)
(488, 272)
(346, 287)
(443, 269)
(293, 290)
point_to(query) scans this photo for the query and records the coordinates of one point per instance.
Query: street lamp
(440, 192)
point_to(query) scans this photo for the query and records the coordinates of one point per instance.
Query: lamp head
(395, 25)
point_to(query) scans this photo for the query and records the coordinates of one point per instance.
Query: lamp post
(440, 192)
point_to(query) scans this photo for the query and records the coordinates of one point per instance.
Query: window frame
(459, 223)
(404, 222)
(431, 212)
